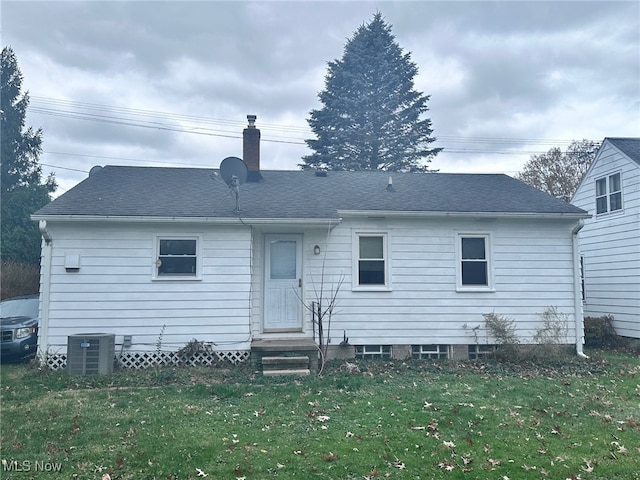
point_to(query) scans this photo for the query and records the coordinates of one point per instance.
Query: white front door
(283, 283)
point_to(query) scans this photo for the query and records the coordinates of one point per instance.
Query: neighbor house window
(474, 269)
(371, 265)
(608, 194)
(582, 278)
(177, 257)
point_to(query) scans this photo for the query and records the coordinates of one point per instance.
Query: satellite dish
(95, 170)
(233, 171)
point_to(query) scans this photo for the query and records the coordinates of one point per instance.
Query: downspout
(577, 294)
(45, 290)
(251, 296)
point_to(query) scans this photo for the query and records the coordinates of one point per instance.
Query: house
(610, 239)
(161, 256)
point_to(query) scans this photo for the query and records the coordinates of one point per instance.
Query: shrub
(551, 338)
(191, 349)
(504, 331)
(18, 279)
(599, 331)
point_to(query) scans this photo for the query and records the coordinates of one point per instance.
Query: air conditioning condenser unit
(90, 353)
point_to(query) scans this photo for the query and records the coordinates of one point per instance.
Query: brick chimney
(251, 149)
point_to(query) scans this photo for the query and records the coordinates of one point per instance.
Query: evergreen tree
(372, 117)
(23, 190)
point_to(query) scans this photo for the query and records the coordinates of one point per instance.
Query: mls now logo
(29, 466)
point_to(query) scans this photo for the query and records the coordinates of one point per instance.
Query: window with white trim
(477, 352)
(365, 352)
(429, 352)
(177, 257)
(474, 263)
(371, 263)
(609, 193)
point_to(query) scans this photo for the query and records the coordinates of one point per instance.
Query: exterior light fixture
(316, 250)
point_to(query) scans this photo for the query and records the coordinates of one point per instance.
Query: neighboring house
(610, 239)
(161, 256)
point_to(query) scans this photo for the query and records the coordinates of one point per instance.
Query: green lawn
(403, 420)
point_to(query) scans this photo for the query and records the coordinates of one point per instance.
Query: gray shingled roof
(629, 146)
(196, 192)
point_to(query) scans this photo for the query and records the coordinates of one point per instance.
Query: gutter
(576, 290)
(492, 215)
(45, 293)
(209, 220)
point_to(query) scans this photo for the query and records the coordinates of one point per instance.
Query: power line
(64, 168)
(215, 127)
(151, 118)
(220, 127)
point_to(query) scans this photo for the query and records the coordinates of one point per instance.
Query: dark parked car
(19, 327)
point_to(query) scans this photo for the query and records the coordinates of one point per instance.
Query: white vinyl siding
(610, 243)
(114, 290)
(532, 269)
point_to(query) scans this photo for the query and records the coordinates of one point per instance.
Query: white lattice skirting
(141, 360)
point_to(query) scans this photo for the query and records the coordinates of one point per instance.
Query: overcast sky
(170, 83)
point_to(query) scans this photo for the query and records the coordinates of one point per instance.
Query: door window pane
(283, 260)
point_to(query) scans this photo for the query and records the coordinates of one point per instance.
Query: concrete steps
(288, 349)
(277, 366)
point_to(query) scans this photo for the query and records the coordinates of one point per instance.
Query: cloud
(189, 72)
